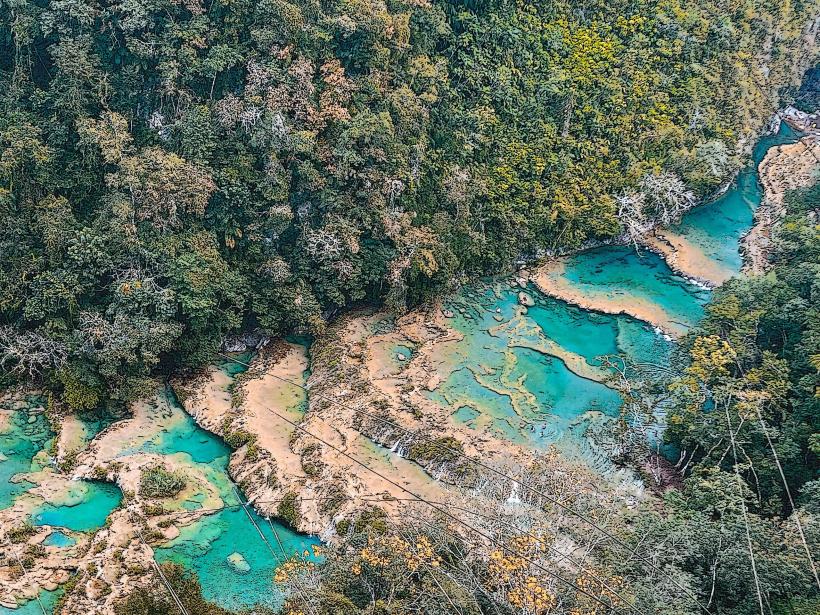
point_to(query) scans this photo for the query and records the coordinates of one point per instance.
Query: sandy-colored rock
(317, 446)
(550, 280)
(784, 168)
(71, 437)
(686, 258)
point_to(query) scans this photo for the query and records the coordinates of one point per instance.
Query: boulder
(525, 300)
(238, 562)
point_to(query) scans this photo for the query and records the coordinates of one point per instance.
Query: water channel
(532, 375)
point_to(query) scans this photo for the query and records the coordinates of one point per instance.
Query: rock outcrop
(784, 168)
(363, 431)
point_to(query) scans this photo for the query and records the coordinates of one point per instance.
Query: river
(531, 374)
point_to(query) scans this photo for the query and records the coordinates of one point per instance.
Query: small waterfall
(514, 497)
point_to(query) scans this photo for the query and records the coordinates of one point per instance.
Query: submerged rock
(525, 300)
(238, 562)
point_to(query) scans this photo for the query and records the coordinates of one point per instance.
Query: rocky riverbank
(784, 168)
(685, 258)
(367, 405)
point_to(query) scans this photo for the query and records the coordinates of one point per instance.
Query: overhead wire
(795, 513)
(308, 604)
(25, 574)
(163, 578)
(443, 512)
(745, 513)
(479, 463)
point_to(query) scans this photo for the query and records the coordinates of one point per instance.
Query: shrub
(157, 482)
(374, 518)
(21, 533)
(441, 450)
(288, 510)
(235, 438)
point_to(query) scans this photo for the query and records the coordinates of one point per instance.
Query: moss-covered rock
(157, 482)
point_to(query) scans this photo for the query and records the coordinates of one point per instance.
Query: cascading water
(530, 373)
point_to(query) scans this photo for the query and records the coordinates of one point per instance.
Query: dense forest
(735, 534)
(746, 417)
(173, 171)
(176, 171)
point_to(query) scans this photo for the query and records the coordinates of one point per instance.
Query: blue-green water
(622, 273)
(185, 437)
(58, 539)
(717, 227)
(32, 607)
(80, 506)
(84, 508)
(529, 374)
(93, 423)
(27, 434)
(237, 363)
(205, 545)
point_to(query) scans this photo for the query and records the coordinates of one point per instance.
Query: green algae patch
(157, 482)
(288, 509)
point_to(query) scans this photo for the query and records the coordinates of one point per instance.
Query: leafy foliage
(753, 365)
(157, 482)
(170, 173)
(746, 418)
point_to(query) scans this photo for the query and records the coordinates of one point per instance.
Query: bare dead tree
(632, 214)
(29, 353)
(668, 196)
(322, 245)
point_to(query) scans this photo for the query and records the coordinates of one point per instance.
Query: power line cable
(162, 576)
(25, 574)
(267, 543)
(745, 515)
(441, 510)
(462, 454)
(795, 512)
